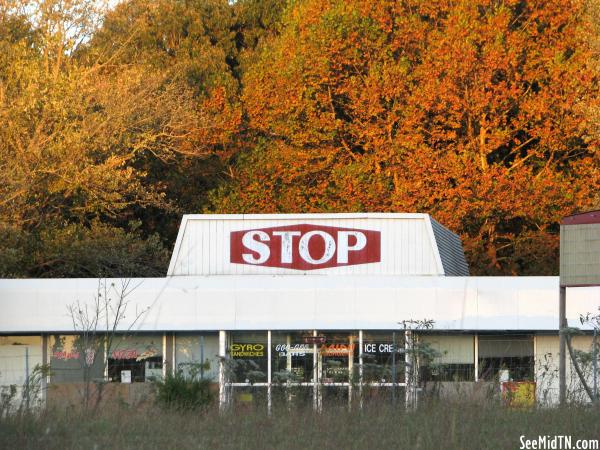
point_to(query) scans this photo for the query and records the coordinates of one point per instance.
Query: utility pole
(394, 368)
(27, 376)
(595, 363)
(562, 357)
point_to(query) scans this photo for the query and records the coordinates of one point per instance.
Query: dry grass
(375, 427)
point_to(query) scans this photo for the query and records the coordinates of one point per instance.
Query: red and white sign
(305, 247)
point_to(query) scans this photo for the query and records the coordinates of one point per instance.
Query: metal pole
(269, 400)
(222, 380)
(201, 357)
(45, 378)
(394, 368)
(595, 362)
(316, 390)
(476, 356)
(288, 368)
(165, 353)
(27, 377)
(360, 367)
(350, 367)
(562, 360)
(410, 366)
(173, 353)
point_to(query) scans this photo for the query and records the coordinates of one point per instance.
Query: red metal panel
(582, 219)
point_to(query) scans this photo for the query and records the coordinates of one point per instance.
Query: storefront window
(198, 354)
(16, 354)
(511, 356)
(447, 358)
(247, 357)
(378, 357)
(21, 340)
(136, 358)
(336, 357)
(74, 359)
(292, 357)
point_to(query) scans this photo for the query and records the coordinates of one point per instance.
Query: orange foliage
(475, 112)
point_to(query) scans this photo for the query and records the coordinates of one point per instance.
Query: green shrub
(184, 390)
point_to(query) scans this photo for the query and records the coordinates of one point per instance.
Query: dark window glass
(506, 353)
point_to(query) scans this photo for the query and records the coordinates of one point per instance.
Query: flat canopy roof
(287, 302)
(585, 218)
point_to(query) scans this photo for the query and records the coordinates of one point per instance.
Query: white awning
(282, 302)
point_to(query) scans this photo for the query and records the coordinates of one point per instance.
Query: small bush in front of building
(185, 390)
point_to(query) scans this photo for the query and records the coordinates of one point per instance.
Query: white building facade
(303, 308)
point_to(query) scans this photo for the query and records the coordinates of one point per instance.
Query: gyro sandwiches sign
(305, 247)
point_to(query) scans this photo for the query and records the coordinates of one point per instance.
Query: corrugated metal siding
(406, 246)
(451, 252)
(579, 254)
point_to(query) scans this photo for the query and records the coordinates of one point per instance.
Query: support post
(222, 380)
(45, 362)
(316, 368)
(202, 357)
(173, 353)
(360, 367)
(595, 363)
(166, 355)
(350, 369)
(288, 368)
(27, 376)
(562, 357)
(269, 392)
(410, 359)
(395, 347)
(476, 355)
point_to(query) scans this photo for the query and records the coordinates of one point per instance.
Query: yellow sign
(247, 350)
(518, 394)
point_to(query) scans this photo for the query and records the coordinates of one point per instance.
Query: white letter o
(329, 247)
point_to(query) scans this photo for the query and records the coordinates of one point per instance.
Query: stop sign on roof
(305, 247)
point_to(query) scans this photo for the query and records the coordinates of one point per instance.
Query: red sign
(313, 339)
(337, 349)
(65, 355)
(305, 247)
(125, 354)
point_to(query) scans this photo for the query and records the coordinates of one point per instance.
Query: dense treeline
(115, 122)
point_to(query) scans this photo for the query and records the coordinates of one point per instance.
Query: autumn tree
(108, 117)
(475, 112)
(191, 47)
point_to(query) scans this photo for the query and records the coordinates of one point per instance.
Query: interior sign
(292, 349)
(378, 348)
(305, 247)
(247, 350)
(337, 349)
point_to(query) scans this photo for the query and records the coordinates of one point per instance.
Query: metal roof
(584, 218)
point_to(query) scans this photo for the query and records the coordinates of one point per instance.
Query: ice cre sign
(305, 247)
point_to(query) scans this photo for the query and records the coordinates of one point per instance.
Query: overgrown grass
(375, 427)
